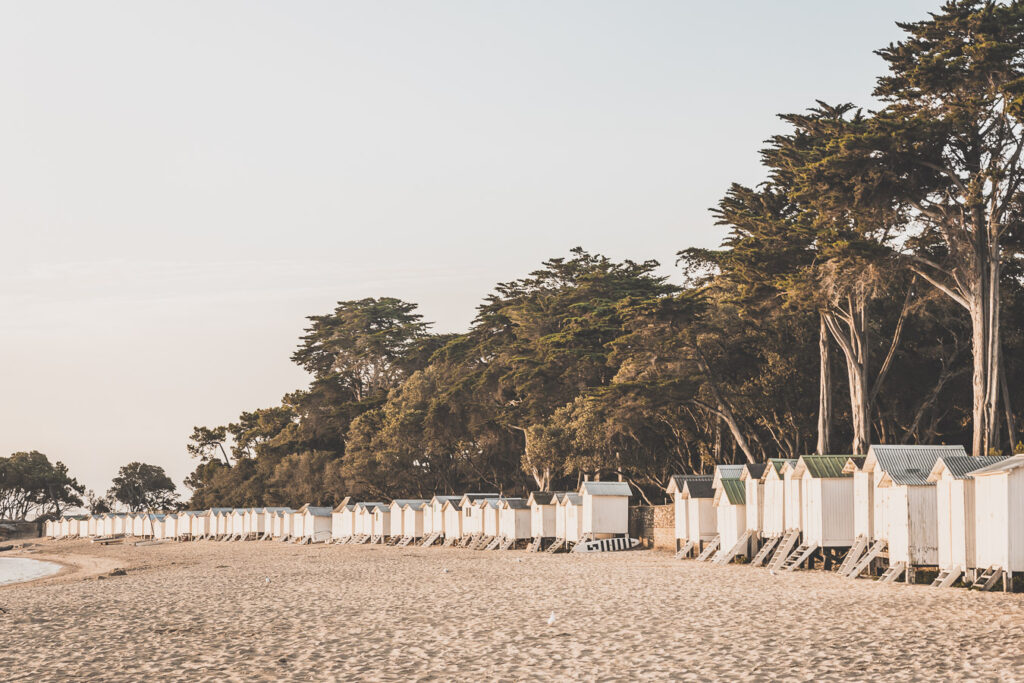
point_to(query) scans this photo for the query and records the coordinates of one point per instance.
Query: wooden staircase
(765, 551)
(507, 543)
(468, 541)
(360, 539)
(557, 545)
(535, 545)
(431, 539)
(494, 543)
(711, 548)
(852, 555)
(874, 551)
(988, 578)
(894, 572)
(685, 551)
(482, 542)
(404, 541)
(947, 577)
(726, 556)
(450, 541)
(785, 547)
(798, 556)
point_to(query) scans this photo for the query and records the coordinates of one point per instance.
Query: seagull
(268, 579)
(772, 572)
(444, 571)
(551, 619)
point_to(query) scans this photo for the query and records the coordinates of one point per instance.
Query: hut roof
(572, 499)
(545, 497)
(826, 466)
(734, 491)
(345, 506)
(370, 506)
(697, 486)
(907, 465)
(754, 470)
(415, 504)
(606, 488)
(777, 463)
(1005, 465)
(454, 503)
(961, 466)
(473, 497)
(514, 504)
(442, 499)
(402, 502)
(317, 511)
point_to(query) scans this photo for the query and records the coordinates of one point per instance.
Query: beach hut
(826, 507)
(909, 507)
(139, 525)
(279, 523)
(572, 515)
(364, 518)
(774, 493)
(201, 525)
(383, 522)
(435, 520)
(794, 499)
(956, 524)
(316, 523)
(514, 521)
(343, 521)
(698, 494)
(91, 522)
(543, 516)
(753, 476)
(999, 521)
(730, 502)
(63, 524)
(605, 512)
(396, 528)
(412, 520)
(237, 529)
(472, 512)
(489, 510)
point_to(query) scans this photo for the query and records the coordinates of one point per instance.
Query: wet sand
(207, 612)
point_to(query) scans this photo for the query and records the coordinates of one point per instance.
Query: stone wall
(654, 526)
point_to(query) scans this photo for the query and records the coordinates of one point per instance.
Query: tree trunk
(824, 390)
(984, 310)
(852, 338)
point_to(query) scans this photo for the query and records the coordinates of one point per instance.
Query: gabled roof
(606, 488)
(317, 511)
(514, 504)
(342, 506)
(474, 497)
(571, 499)
(755, 470)
(1006, 465)
(778, 463)
(961, 466)
(541, 498)
(734, 491)
(907, 465)
(697, 486)
(401, 502)
(442, 499)
(415, 504)
(726, 471)
(454, 503)
(370, 506)
(826, 466)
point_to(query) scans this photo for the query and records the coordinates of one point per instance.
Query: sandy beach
(206, 612)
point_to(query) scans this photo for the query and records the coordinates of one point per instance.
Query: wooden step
(737, 548)
(507, 543)
(865, 561)
(765, 550)
(710, 549)
(988, 578)
(785, 548)
(947, 577)
(535, 545)
(799, 556)
(893, 572)
(431, 539)
(557, 545)
(852, 555)
(450, 541)
(685, 550)
(493, 543)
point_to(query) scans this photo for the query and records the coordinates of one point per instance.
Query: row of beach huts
(891, 514)
(550, 521)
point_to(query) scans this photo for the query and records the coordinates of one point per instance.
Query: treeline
(868, 291)
(32, 486)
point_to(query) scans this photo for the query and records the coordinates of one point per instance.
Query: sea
(18, 569)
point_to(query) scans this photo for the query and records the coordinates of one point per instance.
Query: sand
(206, 612)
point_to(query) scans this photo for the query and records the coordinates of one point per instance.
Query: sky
(181, 184)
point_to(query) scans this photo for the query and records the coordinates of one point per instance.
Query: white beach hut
(471, 505)
(396, 524)
(730, 503)
(956, 523)
(383, 522)
(605, 509)
(572, 514)
(435, 521)
(909, 504)
(999, 520)
(280, 523)
(315, 523)
(412, 519)
(343, 521)
(489, 510)
(543, 514)
(451, 510)
(774, 519)
(514, 521)
(238, 523)
(753, 476)
(698, 494)
(91, 522)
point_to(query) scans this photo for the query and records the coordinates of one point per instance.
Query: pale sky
(182, 183)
